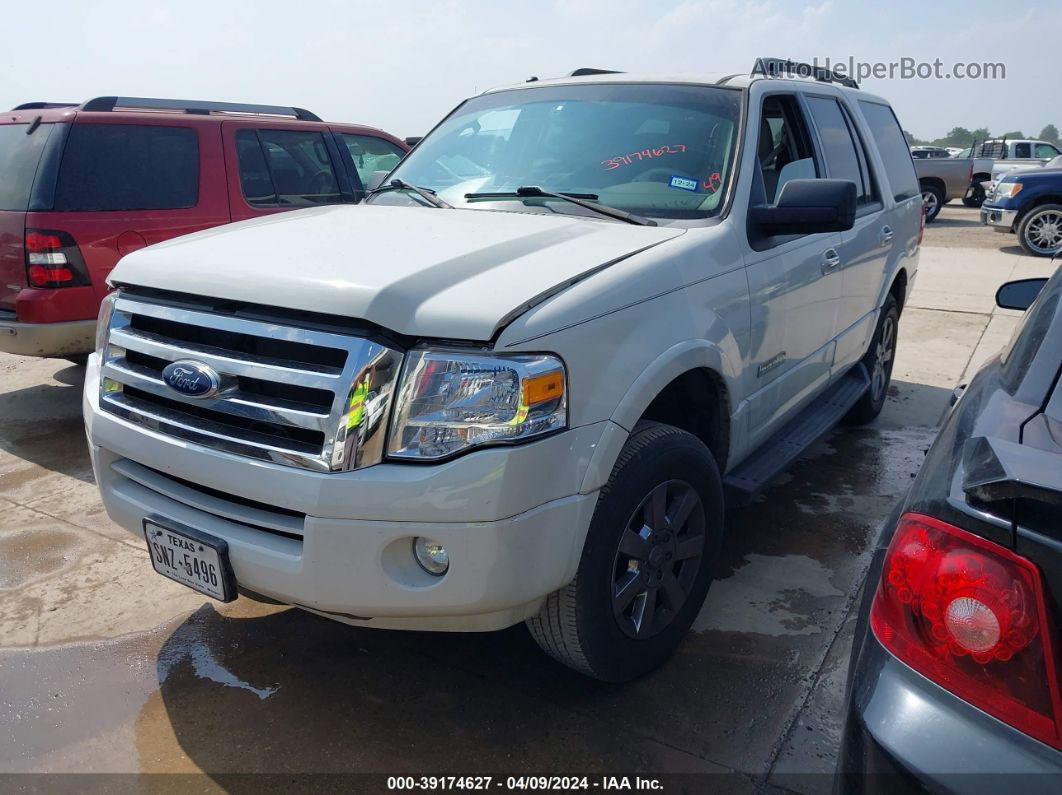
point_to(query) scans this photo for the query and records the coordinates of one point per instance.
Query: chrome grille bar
(300, 397)
(234, 402)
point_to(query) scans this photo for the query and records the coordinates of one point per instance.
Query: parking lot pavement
(107, 667)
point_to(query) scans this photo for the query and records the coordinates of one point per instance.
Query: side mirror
(809, 206)
(376, 179)
(413, 140)
(1019, 294)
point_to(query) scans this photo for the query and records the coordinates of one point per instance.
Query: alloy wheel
(660, 553)
(931, 203)
(879, 378)
(1043, 232)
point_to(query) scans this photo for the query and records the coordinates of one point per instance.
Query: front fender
(680, 358)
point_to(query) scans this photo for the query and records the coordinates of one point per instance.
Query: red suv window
(128, 167)
(286, 168)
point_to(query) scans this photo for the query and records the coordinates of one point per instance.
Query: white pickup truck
(518, 382)
(1012, 155)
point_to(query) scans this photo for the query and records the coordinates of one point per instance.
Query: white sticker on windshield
(683, 183)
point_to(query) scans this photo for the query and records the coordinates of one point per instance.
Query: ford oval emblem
(191, 379)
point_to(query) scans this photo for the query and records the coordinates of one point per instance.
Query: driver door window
(1046, 150)
(784, 150)
(286, 168)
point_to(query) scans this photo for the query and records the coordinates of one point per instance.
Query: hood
(455, 274)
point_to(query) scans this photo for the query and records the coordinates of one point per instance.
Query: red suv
(80, 186)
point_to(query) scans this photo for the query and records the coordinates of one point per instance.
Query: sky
(402, 65)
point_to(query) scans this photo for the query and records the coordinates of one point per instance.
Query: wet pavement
(107, 668)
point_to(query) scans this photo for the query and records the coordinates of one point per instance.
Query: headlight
(449, 401)
(103, 321)
(1008, 190)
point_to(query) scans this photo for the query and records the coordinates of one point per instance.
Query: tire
(932, 200)
(622, 616)
(976, 198)
(1040, 230)
(878, 360)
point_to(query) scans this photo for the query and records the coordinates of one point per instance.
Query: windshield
(654, 150)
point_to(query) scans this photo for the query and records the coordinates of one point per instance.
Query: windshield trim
(725, 206)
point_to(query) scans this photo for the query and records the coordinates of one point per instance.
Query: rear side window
(841, 146)
(19, 155)
(893, 148)
(286, 168)
(370, 154)
(128, 167)
(1023, 150)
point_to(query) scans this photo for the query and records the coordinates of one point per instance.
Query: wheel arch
(935, 182)
(695, 370)
(898, 288)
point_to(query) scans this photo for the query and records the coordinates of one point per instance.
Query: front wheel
(1040, 231)
(976, 197)
(646, 564)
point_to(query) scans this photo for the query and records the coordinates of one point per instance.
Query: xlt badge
(775, 361)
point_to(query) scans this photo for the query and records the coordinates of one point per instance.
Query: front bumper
(904, 733)
(513, 521)
(71, 338)
(1000, 219)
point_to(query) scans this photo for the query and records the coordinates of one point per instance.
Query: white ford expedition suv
(516, 384)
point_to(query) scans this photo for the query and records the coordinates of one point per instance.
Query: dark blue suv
(1029, 203)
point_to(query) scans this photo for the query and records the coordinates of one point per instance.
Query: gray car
(955, 682)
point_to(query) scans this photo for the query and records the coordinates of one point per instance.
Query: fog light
(431, 556)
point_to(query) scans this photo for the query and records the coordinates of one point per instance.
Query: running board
(778, 452)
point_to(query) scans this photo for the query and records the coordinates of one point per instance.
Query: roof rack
(785, 68)
(195, 106)
(44, 105)
(584, 71)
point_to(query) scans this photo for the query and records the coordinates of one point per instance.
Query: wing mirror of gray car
(376, 179)
(1019, 294)
(808, 206)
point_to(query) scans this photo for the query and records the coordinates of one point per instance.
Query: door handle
(886, 235)
(830, 260)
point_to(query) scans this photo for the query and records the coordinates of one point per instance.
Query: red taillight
(40, 276)
(42, 242)
(971, 616)
(53, 259)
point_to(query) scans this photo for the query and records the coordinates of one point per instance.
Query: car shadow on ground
(290, 692)
(940, 221)
(43, 425)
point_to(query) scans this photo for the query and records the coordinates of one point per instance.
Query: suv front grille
(302, 397)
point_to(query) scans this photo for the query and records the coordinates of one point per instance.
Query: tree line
(962, 138)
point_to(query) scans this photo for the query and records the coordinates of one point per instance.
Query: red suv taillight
(971, 616)
(53, 259)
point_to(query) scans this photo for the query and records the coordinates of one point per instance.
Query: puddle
(770, 595)
(186, 644)
(30, 553)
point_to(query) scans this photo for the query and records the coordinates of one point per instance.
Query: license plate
(191, 557)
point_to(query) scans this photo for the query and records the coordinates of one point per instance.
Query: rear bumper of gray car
(903, 733)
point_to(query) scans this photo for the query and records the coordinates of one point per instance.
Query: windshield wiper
(424, 193)
(587, 200)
